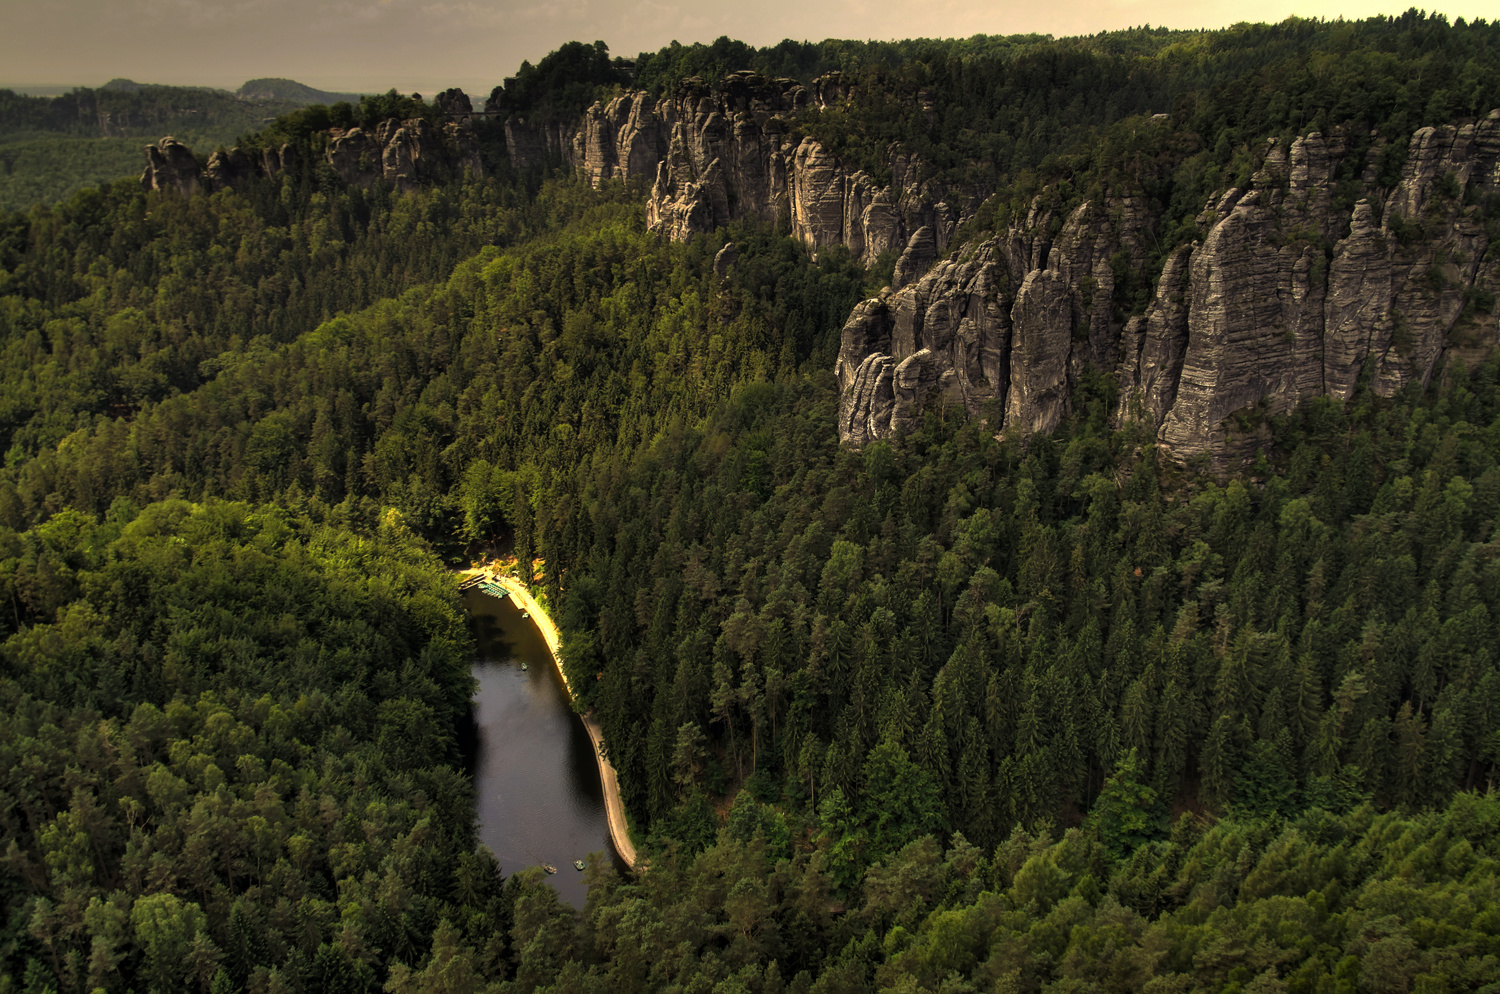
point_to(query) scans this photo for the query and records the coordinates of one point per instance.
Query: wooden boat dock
(485, 585)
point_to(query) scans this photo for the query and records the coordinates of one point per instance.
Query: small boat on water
(579, 864)
(526, 614)
(524, 666)
(549, 867)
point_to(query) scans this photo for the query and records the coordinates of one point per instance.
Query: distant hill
(125, 109)
(291, 91)
(52, 146)
(38, 89)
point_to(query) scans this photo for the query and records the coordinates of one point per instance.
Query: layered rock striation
(1004, 328)
(1287, 297)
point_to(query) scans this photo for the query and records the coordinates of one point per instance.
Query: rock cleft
(1288, 296)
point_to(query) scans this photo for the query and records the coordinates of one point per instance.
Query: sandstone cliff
(404, 153)
(1286, 298)
(1011, 322)
(713, 154)
(171, 165)
(1287, 295)
(722, 153)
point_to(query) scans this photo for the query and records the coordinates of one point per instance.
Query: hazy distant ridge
(51, 146)
(290, 90)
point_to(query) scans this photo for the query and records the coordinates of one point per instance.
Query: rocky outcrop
(865, 412)
(727, 152)
(914, 380)
(1359, 282)
(920, 253)
(1152, 347)
(621, 139)
(412, 151)
(171, 165)
(724, 155)
(725, 259)
(1040, 348)
(355, 156)
(403, 153)
(405, 148)
(454, 104)
(229, 168)
(1287, 297)
(1003, 329)
(1290, 299)
(831, 206)
(948, 334)
(283, 160)
(531, 146)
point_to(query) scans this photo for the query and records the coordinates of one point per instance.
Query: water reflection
(536, 784)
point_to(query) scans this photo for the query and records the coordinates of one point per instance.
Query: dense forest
(949, 713)
(91, 136)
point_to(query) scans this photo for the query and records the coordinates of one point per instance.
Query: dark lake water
(536, 784)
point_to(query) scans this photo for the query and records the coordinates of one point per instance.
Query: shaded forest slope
(949, 711)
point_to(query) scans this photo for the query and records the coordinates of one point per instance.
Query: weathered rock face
(948, 333)
(284, 159)
(918, 256)
(356, 157)
(725, 259)
(865, 409)
(454, 104)
(913, 381)
(1152, 347)
(864, 373)
(412, 151)
(229, 168)
(170, 165)
(1287, 297)
(404, 153)
(1040, 348)
(724, 153)
(1273, 321)
(405, 148)
(532, 145)
(621, 139)
(1003, 330)
(1359, 281)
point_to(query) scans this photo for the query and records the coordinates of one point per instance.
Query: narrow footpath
(619, 832)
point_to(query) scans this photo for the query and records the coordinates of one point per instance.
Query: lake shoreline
(619, 831)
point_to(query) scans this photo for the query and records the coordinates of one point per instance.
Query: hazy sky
(426, 45)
